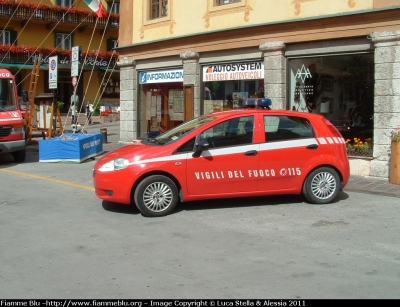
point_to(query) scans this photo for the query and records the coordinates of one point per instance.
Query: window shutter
(58, 2)
(13, 37)
(110, 44)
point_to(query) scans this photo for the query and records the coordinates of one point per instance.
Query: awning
(20, 65)
(109, 69)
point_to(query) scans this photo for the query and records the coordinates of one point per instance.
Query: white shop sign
(234, 71)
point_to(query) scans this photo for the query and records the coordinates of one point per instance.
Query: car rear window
(283, 128)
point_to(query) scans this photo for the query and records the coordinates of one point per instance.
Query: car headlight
(114, 165)
(17, 130)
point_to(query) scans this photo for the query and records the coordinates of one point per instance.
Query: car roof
(252, 111)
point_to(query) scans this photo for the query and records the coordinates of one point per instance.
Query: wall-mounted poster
(175, 104)
(153, 105)
(148, 105)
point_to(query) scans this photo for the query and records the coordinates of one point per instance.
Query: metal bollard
(103, 131)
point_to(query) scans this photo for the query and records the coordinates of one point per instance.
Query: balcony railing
(53, 14)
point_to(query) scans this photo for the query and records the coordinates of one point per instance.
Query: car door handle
(312, 146)
(251, 153)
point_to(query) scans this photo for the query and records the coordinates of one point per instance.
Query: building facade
(338, 58)
(52, 28)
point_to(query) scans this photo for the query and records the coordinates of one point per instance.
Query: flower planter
(105, 119)
(109, 118)
(360, 166)
(394, 171)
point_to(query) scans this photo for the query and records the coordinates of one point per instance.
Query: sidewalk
(369, 185)
(373, 185)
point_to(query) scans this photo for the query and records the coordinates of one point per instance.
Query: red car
(251, 151)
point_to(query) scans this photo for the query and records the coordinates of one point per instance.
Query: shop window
(158, 8)
(225, 95)
(223, 2)
(340, 87)
(226, 84)
(162, 108)
(110, 88)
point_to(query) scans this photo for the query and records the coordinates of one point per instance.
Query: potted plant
(60, 105)
(96, 108)
(357, 147)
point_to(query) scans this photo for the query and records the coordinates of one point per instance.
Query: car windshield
(7, 99)
(181, 130)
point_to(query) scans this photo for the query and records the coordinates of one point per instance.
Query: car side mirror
(200, 147)
(24, 95)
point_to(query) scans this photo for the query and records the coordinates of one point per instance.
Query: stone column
(387, 98)
(191, 76)
(128, 100)
(275, 73)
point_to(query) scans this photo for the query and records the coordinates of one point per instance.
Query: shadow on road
(225, 203)
(119, 208)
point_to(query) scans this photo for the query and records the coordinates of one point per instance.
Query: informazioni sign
(162, 76)
(234, 71)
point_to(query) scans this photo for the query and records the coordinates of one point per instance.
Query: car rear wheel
(156, 195)
(322, 186)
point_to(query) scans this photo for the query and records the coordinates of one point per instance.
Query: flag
(96, 6)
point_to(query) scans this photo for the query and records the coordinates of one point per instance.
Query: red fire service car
(250, 151)
(13, 131)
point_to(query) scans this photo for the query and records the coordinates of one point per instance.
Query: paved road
(59, 241)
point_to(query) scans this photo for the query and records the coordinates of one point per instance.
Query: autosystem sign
(163, 76)
(234, 71)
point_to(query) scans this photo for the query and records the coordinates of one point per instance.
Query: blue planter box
(74, 147)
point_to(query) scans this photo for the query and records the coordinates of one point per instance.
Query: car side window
(186, 147)
(283, 128)
(233, 132)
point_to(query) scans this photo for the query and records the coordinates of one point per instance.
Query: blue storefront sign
(163, 76)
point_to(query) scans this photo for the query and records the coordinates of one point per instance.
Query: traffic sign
(53, 72)
(75, 55)
(74, 68)
(74, 81)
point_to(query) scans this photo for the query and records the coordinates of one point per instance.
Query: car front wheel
(19, 156)
(156, 195)
(322, 185)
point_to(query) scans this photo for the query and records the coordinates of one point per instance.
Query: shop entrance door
(188, 97)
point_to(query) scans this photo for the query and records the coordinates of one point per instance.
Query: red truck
(13, 137)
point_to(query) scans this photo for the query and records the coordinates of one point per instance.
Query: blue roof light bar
(264, 103)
